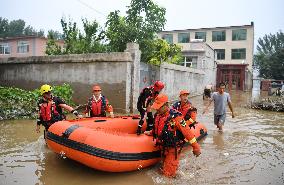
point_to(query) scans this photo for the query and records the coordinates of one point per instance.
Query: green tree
(118, 33)
(4, 26)
(51, 47)
(91, 38)
(164, 52)
(271, 43)
(55, 35)
(142, 21)
(40, 33)
(70, 35)
(17, 28)
(77, 42)
(270, 56)
(30, 31)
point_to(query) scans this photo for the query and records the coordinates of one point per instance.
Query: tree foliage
(4, 27)
(75, 41)
(17, 103)
(143, 20)
(29, 30)
(118, 33)
(270, 56)
(17, 28)
(56, 35)
(52, 48)
(164, 52)
(271, 43)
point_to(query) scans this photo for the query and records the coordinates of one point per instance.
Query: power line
(89, 6)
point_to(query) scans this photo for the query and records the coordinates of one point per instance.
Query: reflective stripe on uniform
(193, 140)
(191, 120)
(182, 123)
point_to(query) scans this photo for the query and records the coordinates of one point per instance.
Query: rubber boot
(139, 128)
(150, 121)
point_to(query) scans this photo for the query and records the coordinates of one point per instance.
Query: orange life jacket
(189, 113)
(97, 108)
(48, 111)
(164, 133)
(183, 108)
(167, 133)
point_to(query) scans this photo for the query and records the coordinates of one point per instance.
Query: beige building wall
(13, 48)
(40, 47)
(37, 46)
(228, 44)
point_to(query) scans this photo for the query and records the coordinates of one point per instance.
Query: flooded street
(249, 151)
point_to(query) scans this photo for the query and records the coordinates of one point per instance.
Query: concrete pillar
(133, 81)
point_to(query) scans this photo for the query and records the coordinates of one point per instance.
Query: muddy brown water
(249, 151)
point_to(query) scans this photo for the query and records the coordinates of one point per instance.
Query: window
(183, 37)
(239, 53)
(218, 35)
(240, 34)
(187, 62)
(200, 35)
(220, 54)
(23, 47)
(168, 38)
(190, 62)
(5, 49)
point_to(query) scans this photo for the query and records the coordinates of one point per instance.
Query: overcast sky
(267, 15)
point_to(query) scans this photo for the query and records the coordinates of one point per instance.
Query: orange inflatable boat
(107, 144)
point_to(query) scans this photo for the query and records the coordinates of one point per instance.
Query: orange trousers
(170, 162)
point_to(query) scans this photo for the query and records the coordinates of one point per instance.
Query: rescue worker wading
(171, 132)
(98, 105)
(50, 108)
(185, 107)
(144, 102)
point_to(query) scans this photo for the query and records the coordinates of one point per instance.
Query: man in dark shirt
(144, 103)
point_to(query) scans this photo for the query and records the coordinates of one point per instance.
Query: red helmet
(158, 85)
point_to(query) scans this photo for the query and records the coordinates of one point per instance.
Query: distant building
(233, 46)
(199, 55)
(24, 46)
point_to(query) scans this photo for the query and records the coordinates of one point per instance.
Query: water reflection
(218, 140)
(21, 164)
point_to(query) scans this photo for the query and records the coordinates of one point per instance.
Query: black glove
(38, 121)
(75, 112)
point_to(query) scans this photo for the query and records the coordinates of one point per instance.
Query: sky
(267, 15)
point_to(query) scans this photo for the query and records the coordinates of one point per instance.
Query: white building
(233, 46)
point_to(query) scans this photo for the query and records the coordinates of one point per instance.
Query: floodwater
(249, 151)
